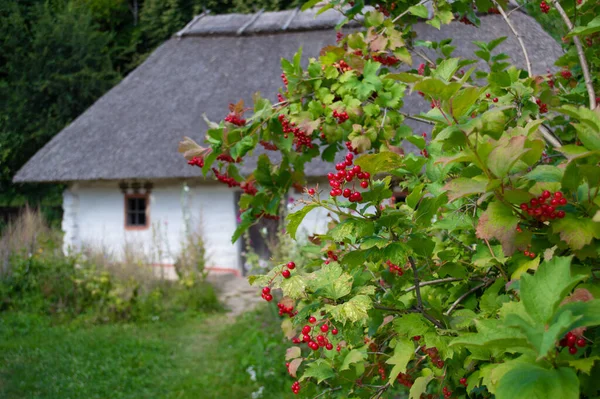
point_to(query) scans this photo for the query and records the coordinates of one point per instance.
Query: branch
(466, 294)
(407, 10)
(432, 282)
(380, 307)
(514, 31)
(418, 294)
(580, 53)
(327, 391)
(416, 118)
(381, 391)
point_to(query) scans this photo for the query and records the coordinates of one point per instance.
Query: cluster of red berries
(447, 393)
(381, 371)
(538, 209)
(340, 116)
(224, 178)
(566, 74)
(228, 158)
(268, 146)
(493, 10)
(350, 148)
(544, 7)
(434, 356)
(301, 139)
(249, 188)
(342, 66)
(286, 272)
(421, 69)
(542, 107)
(286, 310)
(266, 294)
(572, 342)
(332, 256)
(196, 161)
(339, 36)
(528, 253)
(284, 79)
(424, 152)
(488, 95)
(296, 387)
(235, 119)
(463, 382)
(280, 97)
(386, 60)
(321, 340)
(395, 269)
(405, 379)
(343, 176)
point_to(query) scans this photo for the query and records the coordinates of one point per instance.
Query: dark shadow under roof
(134, 129)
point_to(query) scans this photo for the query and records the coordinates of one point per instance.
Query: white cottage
(126, 183)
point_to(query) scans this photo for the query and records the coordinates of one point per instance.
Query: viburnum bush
(483, 282)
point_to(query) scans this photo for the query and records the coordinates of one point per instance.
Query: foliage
(187, 357)
(481, 283)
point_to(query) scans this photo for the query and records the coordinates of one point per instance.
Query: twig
(380, 307)
(418, 295)
(494, 256)
(513, 10)
(327, 391)
(381, 391)
(466, 294)
(407, 10)
(514, 31)
(582, 60)
(550, 138)
(432, 282)
(416, 118)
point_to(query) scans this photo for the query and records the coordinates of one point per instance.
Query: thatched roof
(133, 130)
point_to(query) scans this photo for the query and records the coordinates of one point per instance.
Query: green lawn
(201, 357)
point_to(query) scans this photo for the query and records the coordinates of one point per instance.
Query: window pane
(141, 219)
(131, 219)
(131, 204)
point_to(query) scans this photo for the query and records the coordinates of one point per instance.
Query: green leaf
(446, 69)
(409, 325)
(524, 266)
(354, 310)
(296, 218)
(419, 387)
(419, 11)
(309, 4)
(589, 312)
(293, 287)
(331, 282)
(542, 292)
(576, 232)
(379, 163)
(351, 229)
(404, 351)
(505, 154)
(354, 356)
(462, 187)
(592, 27)
(531, 381)
(437, 89)
(584, 365)
(492, 334)
(499, 222)
(545, 173)
(463, 101)
(320, 369)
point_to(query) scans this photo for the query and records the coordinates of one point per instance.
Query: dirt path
(236, 294)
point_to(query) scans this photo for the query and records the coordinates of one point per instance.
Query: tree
(54, 65)
(482, 283)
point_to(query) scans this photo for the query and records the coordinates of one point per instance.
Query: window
(136, 211)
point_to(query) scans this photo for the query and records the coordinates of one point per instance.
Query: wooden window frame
(125, 203)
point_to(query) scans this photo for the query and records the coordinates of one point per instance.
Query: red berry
(367, 175)
(558, 194)
(346, 193)
(311, 191)
(364, 184)
(571, 339)
(291, 265)
(495, 99)
(338, 348)
(313, 345)
(286, 274)
(324, 328)
(572, 350)
(546, 194)
(524, 206)
(312, 320)
(463, 381)
(305, 330)
(560, 214)
(562, 201)
(329, 346)
(268, 297)
(526, 253)
(416, 338)
(532, 255)
(334, 331)
(266, 290)
(580, 342)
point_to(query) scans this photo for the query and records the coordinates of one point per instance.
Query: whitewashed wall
(94, 217)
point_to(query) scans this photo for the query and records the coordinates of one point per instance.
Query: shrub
(482, 282)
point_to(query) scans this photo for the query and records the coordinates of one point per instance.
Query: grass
(199, 357)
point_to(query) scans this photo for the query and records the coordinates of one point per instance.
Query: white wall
(94, 217)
